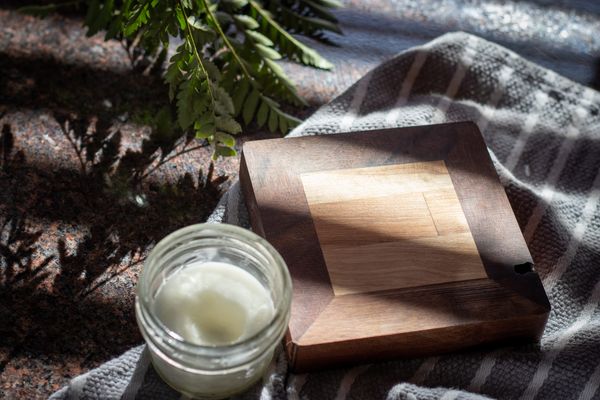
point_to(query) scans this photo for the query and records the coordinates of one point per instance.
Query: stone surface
(81, 202)
(76, 216)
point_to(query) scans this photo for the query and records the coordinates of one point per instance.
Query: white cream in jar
(213, 302)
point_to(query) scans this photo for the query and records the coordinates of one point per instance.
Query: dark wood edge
(255, 211)
(524, 329)
(250, 198)
(454, 297)
(527, 285)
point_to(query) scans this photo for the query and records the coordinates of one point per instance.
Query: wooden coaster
(400, 242)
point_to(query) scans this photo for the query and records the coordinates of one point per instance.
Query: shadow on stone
(66, 232)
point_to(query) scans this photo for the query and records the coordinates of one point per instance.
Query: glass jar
(212, 372)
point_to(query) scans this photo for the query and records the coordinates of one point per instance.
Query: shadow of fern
(66, 232)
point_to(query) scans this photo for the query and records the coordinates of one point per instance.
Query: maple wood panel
(341, 222)
(405, 263)
(368, 182)
(446, 212)
(400, 242)
(414, 234)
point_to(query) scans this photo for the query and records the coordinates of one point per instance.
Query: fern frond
(287, 44)
(227, 64)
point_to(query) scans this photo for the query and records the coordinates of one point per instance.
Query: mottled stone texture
(81, 201)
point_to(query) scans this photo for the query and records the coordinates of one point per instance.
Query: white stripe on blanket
(591, 386)
(465, 61)
(540, 100)
(357, 100)
(550, 354)
(579, 115)
(407, 85)
(551, 279)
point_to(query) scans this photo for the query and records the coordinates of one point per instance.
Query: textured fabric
(543, 134)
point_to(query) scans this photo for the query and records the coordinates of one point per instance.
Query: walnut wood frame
(327, 330)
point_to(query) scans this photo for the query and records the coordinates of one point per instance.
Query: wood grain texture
(401, 264)
(428, 198)
(437, 307)
(392, 226)
(384, 180)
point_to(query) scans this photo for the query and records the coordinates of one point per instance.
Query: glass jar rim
(262, 339)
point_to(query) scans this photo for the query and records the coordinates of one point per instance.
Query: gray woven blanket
(543, 133)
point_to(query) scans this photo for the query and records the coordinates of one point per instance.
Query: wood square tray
(400, 242)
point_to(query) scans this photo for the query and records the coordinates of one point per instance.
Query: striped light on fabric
(547, 194)
(424, 370)
(233, 204)
(407, 84)
(466, 59)
(484, 370)
(543, 369)
(540, 100)
(485, 118)
(138, 376)
(462, 66)
(270, 378)
(591, 387)
(357, 100)
(591, 204)
(348, 380)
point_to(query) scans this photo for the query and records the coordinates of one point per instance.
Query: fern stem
(233, 52)
(191, 36)
(264, 14)
(324, 64)
(228, 43)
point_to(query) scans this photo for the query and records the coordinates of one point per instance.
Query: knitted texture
(542, 132)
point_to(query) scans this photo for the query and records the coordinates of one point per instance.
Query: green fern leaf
(198, 24)
(213, 71)
(185, 105)
(316, 24)
(259, 38)
(138, 20)
(283, 124)
(225, 139)
(318, 10)
(223, 102)
(267, 52)
(174, 73)
(205, 125)
(250, 106)
(239, 95)
(279, 73)
(98, 15)
(227, 124)
(273, 121)
(287, 43)
(180, 18)
(330, 3)
(223, 152)
(263, 112)
(235, 4)
(246, 20)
